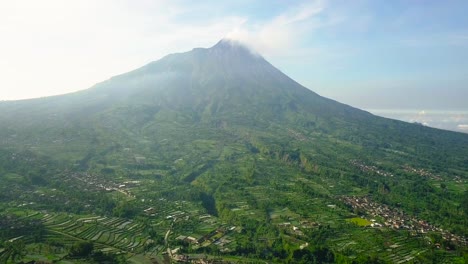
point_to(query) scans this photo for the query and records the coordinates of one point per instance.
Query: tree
(16, 250)
(125, 209)
(81, 249)
(314, 255)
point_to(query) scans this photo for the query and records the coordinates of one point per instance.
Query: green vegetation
(214, 154)
(360, 221)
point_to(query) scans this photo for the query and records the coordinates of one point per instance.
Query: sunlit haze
(279, 131)
(370, 54)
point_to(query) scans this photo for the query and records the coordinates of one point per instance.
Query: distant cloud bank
(448, 120)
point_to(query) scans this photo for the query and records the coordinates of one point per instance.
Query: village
(397, 219)
(422, 173)
(97, 182)
(370, 168)
(219, 237)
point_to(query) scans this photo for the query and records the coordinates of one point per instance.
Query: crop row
(109, 232)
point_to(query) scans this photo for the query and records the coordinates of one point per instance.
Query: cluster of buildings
(296, 229)
(370, 168)
(459, 180)
(194, 258)
(397, 219)
(216, 237)
(102, 184)
(422, 173)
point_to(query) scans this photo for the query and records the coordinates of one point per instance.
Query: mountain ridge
(201, 88)
(216, 78)
(172, 67)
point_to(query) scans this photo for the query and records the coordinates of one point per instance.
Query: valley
(131, 217)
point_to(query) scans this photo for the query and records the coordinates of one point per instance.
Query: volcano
(219, 133)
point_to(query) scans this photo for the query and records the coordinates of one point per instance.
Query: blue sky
(370, 54)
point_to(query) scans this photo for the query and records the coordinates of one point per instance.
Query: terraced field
(394, 247)
(109, 233)
(117, 235)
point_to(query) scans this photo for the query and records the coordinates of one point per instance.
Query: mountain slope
(225, 130)
(226, 84)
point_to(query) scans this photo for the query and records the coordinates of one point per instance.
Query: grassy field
(359, 221)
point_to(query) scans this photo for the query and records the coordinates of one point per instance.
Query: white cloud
(282, 33)
(300, 13)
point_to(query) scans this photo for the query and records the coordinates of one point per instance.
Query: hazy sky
(370, 54)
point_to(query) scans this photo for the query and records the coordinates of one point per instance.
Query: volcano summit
(218, 154)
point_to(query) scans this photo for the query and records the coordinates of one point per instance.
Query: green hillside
(216, 152)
